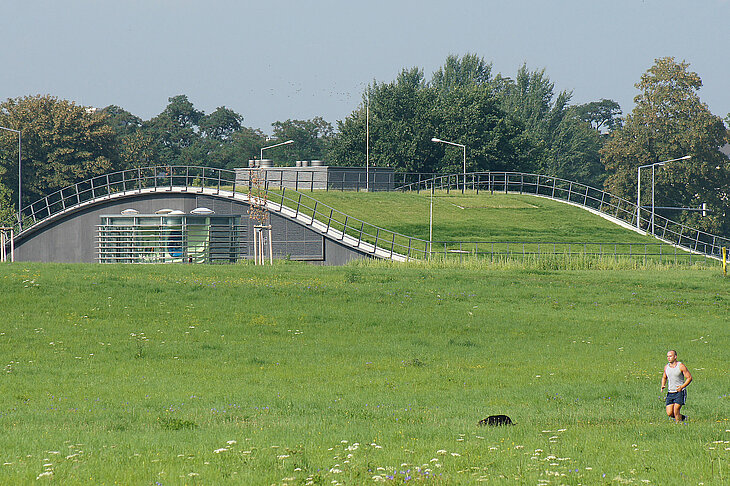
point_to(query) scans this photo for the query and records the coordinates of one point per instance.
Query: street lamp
(20, 176)
(272, 146)
(638, 189)
(438, 140)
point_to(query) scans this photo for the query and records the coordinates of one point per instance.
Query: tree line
(516, 124)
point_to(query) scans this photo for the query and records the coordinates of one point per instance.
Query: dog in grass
(496, 420)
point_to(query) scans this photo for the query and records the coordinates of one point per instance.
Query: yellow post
(724, 261)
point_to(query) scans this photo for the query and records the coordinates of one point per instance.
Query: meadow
(368, 373)
(475, 217)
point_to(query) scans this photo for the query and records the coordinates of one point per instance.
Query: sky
(296, 59)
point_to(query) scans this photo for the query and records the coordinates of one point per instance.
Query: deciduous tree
(62, 144)
(311, 139)
(670, 121)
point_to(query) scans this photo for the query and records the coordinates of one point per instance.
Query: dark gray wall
(72, 238)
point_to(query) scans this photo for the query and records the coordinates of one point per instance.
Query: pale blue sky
(283, 59)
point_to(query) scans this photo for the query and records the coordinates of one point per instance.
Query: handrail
(576, 193)
(365, 236)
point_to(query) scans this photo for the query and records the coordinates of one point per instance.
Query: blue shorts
(677, 397)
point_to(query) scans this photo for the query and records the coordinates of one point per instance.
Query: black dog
(496, 420)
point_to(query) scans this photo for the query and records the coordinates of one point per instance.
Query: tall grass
(544, 262)
(298, 374)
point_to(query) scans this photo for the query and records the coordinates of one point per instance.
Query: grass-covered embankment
(475, 217)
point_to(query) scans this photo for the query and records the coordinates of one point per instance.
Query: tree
(136, 146)
(175, 132)
(220, 124)
(562, 144)
(311, 138)
(62, 144)
(669, 121)
(8, 213)
(471, 115)
(470, 70)
(602, 115)
(400, 126)
(459, 105)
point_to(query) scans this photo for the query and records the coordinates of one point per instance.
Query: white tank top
(674, 376)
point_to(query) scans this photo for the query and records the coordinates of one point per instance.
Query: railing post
(375, 246)
(281, 204)
(344, 228)
(392, 245)
(329, 221)
(359, 239)
(314, 213)
(299, 203)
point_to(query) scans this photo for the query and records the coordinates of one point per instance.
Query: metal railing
(364, 236)
(7, 244)
(666, 230)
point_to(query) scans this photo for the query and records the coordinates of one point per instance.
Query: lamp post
(367, 144)
(272, 146)
(430, 223)
(438, 140)
(638, 189)
(20, 176)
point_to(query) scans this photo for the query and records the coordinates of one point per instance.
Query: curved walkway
(335, 225)
(365, 238)
(597, 201)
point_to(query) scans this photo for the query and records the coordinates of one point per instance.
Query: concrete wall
(72, 238)
(320, 178)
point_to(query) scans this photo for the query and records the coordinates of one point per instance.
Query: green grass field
(296, 374)
(482, 217)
